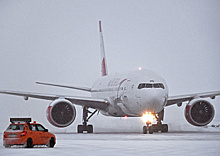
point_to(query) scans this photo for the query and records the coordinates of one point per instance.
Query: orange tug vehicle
(22, 132)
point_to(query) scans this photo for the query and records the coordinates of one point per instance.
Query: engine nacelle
(61, 113)
(199, 112)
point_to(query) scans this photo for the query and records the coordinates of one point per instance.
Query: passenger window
(40, 128)
(33, 128)
(16, 127)
(12, 127)
(21, 127)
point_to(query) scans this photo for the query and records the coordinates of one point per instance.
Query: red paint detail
(122, 82)
(100, 29)
(187, 115)
(103, 68)
(48, 115)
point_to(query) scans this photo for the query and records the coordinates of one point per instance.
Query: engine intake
(199, 112)
(61, 113)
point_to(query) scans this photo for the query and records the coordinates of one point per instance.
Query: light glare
(148, 117)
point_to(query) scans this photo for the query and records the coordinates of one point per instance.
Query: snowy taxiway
(173, 143)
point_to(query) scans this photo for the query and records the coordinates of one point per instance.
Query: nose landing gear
(147, 128)
(156, 127)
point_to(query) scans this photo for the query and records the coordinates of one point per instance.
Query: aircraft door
(122, 87)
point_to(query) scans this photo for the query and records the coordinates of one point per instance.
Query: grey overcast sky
(58, 41)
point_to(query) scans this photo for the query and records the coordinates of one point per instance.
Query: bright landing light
(148, 117)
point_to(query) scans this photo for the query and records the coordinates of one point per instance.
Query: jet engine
(199, 112)
(61, 113)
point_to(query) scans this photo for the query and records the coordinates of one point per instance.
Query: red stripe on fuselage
(100, 29)
(103, 68)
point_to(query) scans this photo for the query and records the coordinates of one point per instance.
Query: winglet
(103, 58)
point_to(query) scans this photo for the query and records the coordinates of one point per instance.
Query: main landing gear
(84, 127)
(156, 127)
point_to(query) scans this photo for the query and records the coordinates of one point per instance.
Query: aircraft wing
(100, 104)
(64, 86)
(182, 98)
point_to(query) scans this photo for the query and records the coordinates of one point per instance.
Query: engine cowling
(61, 113)
(199, 112)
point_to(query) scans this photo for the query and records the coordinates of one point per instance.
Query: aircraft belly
(126, 110)
(114, 110)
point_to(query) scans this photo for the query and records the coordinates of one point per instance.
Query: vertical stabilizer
(103, 58)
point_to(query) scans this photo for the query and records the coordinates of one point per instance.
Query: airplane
(138, 93)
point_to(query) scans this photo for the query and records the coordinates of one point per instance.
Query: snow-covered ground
(173, 143)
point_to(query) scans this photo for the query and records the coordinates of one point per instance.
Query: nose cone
(155, 102)
(152, 100)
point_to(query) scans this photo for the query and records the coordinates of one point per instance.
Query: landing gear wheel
(159, 127)
(155, 128)
(164, 128)
(90, 129)
(80, 129)
(151, 130)
(83, 128)
(145, 130)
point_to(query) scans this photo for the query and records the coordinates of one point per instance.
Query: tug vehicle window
(40, 128)
(16, 127)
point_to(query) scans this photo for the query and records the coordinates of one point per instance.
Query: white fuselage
(132, 93)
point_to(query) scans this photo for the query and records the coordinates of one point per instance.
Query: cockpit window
(147, 85)
(151, 85)
(157, 85)
(161, 85)
(141, 86)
